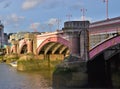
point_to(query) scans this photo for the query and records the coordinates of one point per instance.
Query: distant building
(19, 35)
(3, 36)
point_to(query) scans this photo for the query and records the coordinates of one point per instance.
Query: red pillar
(14, 48)
(75, 42)
(29, 46)
(7, 50)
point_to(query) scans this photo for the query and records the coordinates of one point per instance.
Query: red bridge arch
(22, 43)
(103, 46)
(53, 39)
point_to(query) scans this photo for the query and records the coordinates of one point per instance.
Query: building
(3, 37)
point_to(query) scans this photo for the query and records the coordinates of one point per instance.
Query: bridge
(58, 43)
(98, 45)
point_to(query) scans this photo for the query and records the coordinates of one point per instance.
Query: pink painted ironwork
(101, 47)
(53, 39)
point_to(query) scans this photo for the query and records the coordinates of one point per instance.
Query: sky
(50, 15)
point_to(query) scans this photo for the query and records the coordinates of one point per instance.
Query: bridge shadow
(104, 73)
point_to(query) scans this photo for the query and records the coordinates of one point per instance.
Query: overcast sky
(44, 15)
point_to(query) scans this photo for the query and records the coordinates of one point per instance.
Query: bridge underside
(24, 49)
(104, 69)
(54, 51)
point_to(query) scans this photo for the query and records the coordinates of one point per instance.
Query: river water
(10, 78)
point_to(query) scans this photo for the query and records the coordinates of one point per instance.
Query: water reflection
(10, 78)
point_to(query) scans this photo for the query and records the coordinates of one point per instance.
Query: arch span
(104, 64)
(103, 46)
(24, 49)
(55, 40)
(22, 43)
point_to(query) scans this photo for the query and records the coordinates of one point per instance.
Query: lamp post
(106, 1)
(58, 23)
(83, 10)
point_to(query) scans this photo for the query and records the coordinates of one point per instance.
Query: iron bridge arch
(104, 66)
(54, 45)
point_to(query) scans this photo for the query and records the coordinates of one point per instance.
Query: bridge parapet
(75, 25)
(29, 36)
(105, 22)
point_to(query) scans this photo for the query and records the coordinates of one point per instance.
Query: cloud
(7, 4)
(15, 18)
(52, 21)
(34, 25)
(12, 20)
(28, 4)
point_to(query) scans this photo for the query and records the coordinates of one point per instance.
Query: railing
(101, 42)
(106, 22)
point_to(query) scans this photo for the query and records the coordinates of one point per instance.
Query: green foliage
(11, 58)
(28, 65)
(1, 59)
(33, 65)
(31, 54)
(60, 70)
(14, 54)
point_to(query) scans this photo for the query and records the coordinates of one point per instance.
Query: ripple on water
(10, 78)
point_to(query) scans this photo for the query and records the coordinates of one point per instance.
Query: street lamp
(83, 10)
(106, 1)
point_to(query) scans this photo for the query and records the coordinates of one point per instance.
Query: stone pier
(73, 71)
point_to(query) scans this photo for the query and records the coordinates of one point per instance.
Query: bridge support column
(79, 38)
(7, 50)
(74, 43)
(14, 48)
(84, 44)
(30, 46)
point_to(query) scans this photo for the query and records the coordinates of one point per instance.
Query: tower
(78, 37)
(1, 34)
